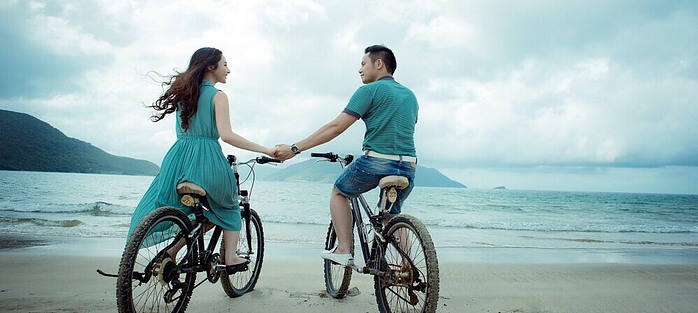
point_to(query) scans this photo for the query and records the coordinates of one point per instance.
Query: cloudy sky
(544, 95)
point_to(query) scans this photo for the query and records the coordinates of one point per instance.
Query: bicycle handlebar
(259, 160)
(333, 157)
(265, 159)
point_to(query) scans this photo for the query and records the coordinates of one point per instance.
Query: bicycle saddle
(186, 189)
(189, 187)
(400, 182)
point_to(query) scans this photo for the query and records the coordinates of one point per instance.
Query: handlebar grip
(327, 155)
(266, 159)
(332, 157)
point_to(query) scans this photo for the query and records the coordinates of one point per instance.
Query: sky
(531, 95)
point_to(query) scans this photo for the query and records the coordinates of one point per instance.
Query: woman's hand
(283, 152)
(271, 152)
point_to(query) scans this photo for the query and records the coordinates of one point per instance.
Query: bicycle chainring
(213, 273)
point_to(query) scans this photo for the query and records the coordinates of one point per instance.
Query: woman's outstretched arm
(222, 111)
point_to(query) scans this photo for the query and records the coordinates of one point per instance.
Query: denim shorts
(364, 173)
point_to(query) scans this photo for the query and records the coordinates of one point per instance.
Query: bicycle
(401, 258)
(150, 280)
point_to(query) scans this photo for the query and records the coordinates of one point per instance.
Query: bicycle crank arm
(362, 270)
(368, 270)
(106, 274)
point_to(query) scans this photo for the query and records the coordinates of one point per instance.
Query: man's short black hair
(382, 52)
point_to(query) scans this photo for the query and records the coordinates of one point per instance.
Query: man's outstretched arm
(324, 134)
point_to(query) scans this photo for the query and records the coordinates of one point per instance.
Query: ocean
(479, 225)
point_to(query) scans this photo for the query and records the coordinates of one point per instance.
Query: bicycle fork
(246, 218)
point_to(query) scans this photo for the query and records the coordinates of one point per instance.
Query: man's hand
(283, 152)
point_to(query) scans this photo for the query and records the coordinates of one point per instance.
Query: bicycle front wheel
(241, 283)
(149, 279)
(410, 282)
(337, 277)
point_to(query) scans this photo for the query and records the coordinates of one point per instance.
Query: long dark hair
(184, 88)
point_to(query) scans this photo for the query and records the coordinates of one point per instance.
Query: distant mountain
(314, 171)
(29, 144)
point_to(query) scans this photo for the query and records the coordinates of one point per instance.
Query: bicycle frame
(357, 204)
(376, 250)
(156, 274)
(397, 251)
(205, 255)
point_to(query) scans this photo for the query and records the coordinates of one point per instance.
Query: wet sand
(49, 278)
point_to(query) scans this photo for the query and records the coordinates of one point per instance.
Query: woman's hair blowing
(184, 88)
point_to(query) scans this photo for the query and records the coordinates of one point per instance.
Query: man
(389, 111)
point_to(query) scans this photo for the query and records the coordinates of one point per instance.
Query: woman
(202, 117)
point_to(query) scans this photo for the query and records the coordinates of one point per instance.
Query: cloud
(43, 55)
(587, 113)
(501, 85)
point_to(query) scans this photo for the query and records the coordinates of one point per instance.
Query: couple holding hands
(388, 109)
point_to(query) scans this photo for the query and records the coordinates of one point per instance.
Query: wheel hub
(165, 271)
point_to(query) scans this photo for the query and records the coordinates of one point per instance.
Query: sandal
(232, 269)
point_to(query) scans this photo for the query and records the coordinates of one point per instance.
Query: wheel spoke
(337, 277)
(243, 282)
(411, 284)
(148, 280)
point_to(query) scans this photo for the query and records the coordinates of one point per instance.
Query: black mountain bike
(398, 252)
(150, 280)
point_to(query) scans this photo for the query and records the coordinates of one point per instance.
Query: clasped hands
(283, 152)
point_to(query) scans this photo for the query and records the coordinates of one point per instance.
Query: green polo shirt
(389, 111)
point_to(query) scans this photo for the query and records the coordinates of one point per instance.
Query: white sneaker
(341, 259)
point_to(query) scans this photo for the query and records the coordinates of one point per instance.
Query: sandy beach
(40, 276)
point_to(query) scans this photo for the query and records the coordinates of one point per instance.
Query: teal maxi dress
(197, 157)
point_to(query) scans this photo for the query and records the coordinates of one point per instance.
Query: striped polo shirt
(389, 111)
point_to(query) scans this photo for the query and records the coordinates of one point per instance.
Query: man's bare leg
(342, 221)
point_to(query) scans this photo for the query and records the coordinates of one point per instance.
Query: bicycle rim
(243, 282)
(411, 281)
(148, 280)
(337, 277)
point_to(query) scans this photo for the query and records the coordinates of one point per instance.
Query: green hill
(29, 144)
(312, 170)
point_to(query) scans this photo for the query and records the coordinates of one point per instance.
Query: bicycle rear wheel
(411, 281)
(149, 280)
(337, 277)
(243, 282)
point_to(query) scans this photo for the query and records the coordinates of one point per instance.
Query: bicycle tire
(409, 285)
(241, 283)
(146, 278)
(337, 277)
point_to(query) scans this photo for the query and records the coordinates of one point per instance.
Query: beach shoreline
(52, 277)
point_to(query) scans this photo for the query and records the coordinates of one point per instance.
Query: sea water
(467, 224)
